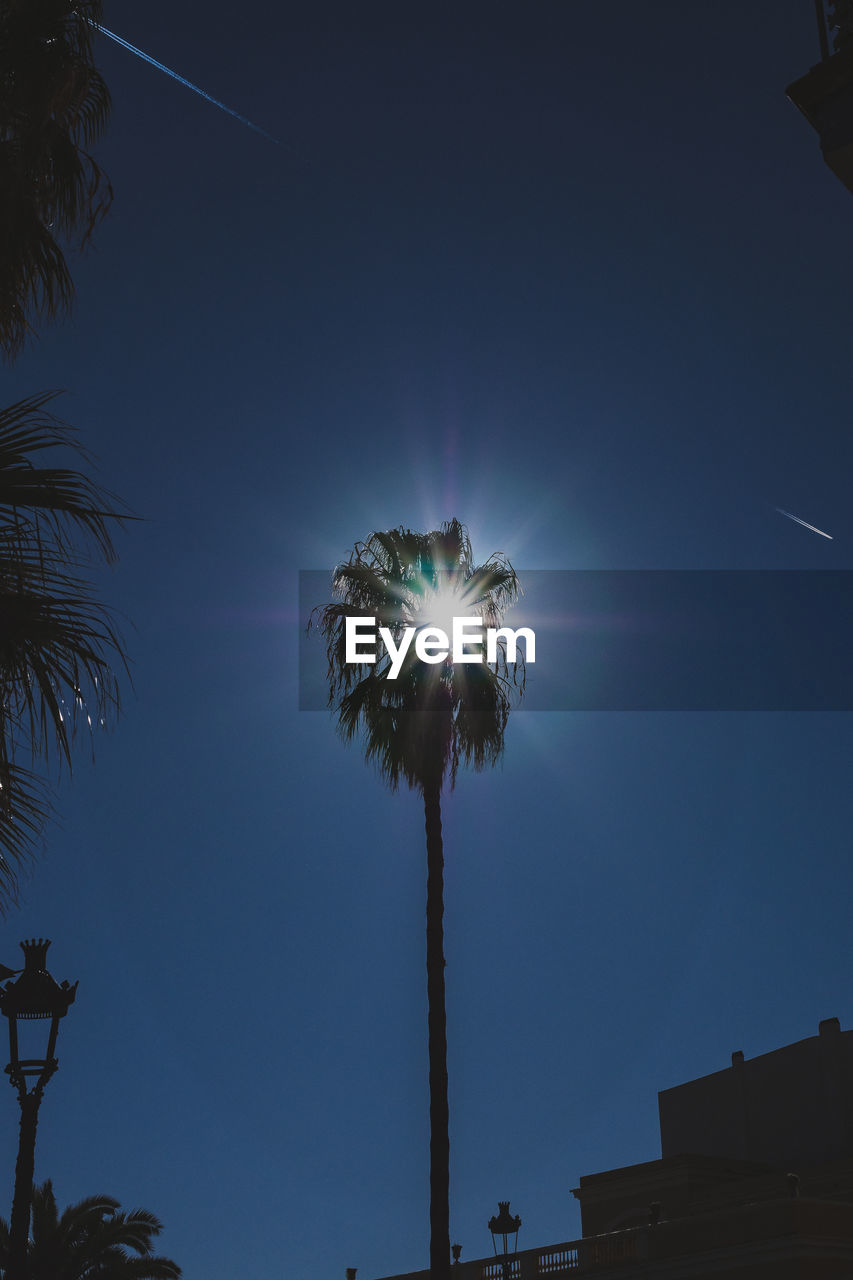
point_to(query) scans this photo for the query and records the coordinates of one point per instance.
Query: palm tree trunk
(439, 1116)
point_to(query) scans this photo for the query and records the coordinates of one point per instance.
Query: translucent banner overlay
(662, 640)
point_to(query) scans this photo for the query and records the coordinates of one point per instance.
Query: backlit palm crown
(431, 718)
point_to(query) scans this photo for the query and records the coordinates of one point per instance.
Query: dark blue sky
(577, 275)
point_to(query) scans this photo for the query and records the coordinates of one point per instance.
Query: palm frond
(44, 1215)
(64, 496)
(92, 1240)
(53, 105)
(148, 1268)
(59, 645)
(25, 810)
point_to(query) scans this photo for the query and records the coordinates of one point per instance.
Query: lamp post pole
(35, 995)
(19, 1227)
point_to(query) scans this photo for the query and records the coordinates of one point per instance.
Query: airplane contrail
(125, 44)
(804, 524)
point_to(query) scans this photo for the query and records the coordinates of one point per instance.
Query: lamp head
(504, 1225)
(34, 995)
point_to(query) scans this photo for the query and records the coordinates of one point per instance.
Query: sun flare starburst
(438, 605)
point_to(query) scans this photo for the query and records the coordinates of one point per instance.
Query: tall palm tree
(53, 105)
(419, 728)
(91, 1240)
(58, 644)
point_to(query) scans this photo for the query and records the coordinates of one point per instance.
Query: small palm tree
(419, 728)
(53, 105)
(91, 1240)
(58, 644)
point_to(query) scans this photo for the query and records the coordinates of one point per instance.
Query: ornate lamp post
(505, 1225)
(35, 995)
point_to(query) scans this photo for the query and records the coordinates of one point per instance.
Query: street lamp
(505, 1225)
(33, 996)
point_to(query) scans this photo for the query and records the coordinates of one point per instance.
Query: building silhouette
(754, 1181)
(825, 93)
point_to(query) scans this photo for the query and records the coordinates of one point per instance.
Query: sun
(438, 609)
(437, 605)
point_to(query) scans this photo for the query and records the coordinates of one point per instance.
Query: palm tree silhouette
(419, 728)
(58, 644)
(53, 105)
(91, 1240)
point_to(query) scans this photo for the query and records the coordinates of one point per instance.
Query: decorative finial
(35, 954)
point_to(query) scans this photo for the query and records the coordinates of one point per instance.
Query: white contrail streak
(125, 44)
(804, 524)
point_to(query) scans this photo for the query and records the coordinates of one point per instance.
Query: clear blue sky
(577, 275)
